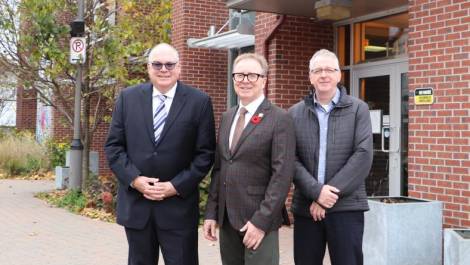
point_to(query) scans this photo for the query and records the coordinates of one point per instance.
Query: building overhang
(306, 8)
(303, 8)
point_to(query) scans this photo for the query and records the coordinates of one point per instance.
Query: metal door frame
(393, 68)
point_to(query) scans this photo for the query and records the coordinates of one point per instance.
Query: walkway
(31, 232)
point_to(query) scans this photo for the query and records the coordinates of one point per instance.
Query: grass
(20, 154)
(71, 200)
(21, 157)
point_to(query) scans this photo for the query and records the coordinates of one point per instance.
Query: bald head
(163, 48)
(163, 67)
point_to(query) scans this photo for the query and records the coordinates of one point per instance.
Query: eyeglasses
(158, 65)
(251, 77)
(319, 71)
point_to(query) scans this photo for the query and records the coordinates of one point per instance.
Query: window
(379, 39)
(7, 106)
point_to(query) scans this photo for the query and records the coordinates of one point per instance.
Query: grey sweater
(348, 155)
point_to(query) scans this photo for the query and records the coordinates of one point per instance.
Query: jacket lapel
(176, 107)
(263, 108)
(147, 110)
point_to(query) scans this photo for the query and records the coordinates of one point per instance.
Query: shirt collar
(169, 94)
(334, 100)
(253, 106)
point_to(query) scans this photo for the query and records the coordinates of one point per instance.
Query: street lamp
(78, 48)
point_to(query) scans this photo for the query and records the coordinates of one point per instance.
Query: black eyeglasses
(252, 77)
(158, 65)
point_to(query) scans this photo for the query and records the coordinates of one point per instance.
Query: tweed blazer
(252, 182)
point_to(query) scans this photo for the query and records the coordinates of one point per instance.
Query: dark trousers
(342, 231)
(178, 247)
(234, 252)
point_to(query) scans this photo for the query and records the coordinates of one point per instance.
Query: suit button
(231, 161)
(225, 184)
(154, 153)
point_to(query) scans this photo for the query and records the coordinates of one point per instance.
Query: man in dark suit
(252, 173)
(160, 146)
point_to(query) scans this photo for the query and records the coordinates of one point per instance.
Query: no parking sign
(77, 50)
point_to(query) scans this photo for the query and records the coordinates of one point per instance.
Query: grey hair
(160, 46)
(323, 53)
(255, 57)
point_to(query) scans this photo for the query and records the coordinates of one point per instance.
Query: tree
(34, 36)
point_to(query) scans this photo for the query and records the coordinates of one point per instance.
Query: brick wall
(205, 69)
(97, 144)
(26, 107)
(26, 99)
(63, 132)
(290, 50)
(439, 134)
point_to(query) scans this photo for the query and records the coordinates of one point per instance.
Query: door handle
(390, 131)
(382, 136)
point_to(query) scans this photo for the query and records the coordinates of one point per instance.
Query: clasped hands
(252, 238)
(153, 189)
(327, 199)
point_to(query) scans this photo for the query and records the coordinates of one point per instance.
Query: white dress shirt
(170, 95)
(251, 109)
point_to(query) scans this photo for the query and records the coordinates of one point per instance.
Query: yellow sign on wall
(424, 96)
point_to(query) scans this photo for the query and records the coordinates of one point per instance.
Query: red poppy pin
(257, 119)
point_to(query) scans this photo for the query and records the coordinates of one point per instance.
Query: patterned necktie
(159, 117)
(238, 128)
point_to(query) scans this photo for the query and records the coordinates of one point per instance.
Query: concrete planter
(456, 246)
(403, 231)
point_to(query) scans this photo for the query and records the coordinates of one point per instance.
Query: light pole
(76, 147)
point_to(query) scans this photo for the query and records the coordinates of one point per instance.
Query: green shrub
(96, 187)
(21, 154)
(5, 131)
(203, 194)
(72, 200)
(13, 167)
(33, 164)
(56, 151)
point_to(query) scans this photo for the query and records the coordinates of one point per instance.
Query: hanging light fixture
(333, 9)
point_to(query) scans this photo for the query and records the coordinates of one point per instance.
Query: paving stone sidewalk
(31, 232)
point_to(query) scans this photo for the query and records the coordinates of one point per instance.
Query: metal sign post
(77, 56)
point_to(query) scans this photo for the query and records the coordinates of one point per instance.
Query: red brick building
(389, 51)
(409, 60)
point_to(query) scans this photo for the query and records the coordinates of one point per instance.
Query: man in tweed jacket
(252, 172)
(334, 156)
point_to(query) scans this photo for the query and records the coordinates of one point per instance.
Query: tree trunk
(86, 142)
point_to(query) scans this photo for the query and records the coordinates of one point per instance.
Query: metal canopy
(241, 36)
(227, 40)
(306, 8)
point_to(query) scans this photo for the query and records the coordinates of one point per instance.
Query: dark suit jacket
(183, 155)
(252, 182)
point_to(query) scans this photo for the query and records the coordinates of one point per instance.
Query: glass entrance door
(384, 87)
